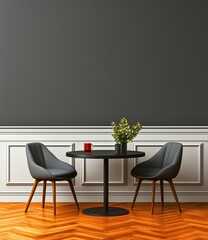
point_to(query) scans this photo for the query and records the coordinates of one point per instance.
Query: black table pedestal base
(100, 211)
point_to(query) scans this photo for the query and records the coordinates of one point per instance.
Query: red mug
(88, 147)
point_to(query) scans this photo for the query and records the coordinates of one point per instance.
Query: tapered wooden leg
(44, 194)
(136, 192)
(54, 196)
(73, 193)
(161, 192)
(174, 193)
(31, 194)
(153, 195)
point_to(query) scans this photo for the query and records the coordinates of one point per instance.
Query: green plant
(123, 132)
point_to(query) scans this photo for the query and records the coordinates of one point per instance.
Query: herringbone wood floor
(165, 223)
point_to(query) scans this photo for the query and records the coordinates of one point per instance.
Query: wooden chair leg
(162, 192)
(54, 196)
(153, 195)
(73, 193)
(31, 194)
(174, 194)
(136, 192)
(44, 194)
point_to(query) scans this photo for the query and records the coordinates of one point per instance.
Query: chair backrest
(171, 160)
(165, 163)
(35, 154)
(40, 159)
(173, 153)
(42, 163)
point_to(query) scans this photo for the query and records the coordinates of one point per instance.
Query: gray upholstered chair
(44, 166)
(164, 165)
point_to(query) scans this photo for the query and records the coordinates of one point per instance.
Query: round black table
(106, 155)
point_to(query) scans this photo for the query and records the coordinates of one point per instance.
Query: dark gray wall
(91, 62)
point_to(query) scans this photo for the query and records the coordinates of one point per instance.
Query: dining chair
(45, 166)
(164, 165)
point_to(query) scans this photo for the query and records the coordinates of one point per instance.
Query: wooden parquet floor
(139, 224)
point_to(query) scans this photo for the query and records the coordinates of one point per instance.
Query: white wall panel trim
(121, 174)
(9, 181)
(199, 154)
(15, 185)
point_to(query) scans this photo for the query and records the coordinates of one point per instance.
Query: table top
(105, 154)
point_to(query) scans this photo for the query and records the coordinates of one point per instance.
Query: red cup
(88, 147)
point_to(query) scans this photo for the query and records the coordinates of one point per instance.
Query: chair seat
(144, 173)
(62, 173)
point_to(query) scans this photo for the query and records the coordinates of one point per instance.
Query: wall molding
(199, 153)
(15, 185)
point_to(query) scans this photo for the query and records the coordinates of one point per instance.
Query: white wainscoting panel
(92, 169)
(15, 185)
(190, 171)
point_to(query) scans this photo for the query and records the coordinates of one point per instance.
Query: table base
(100, 211)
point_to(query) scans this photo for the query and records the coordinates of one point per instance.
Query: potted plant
(124, 133)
